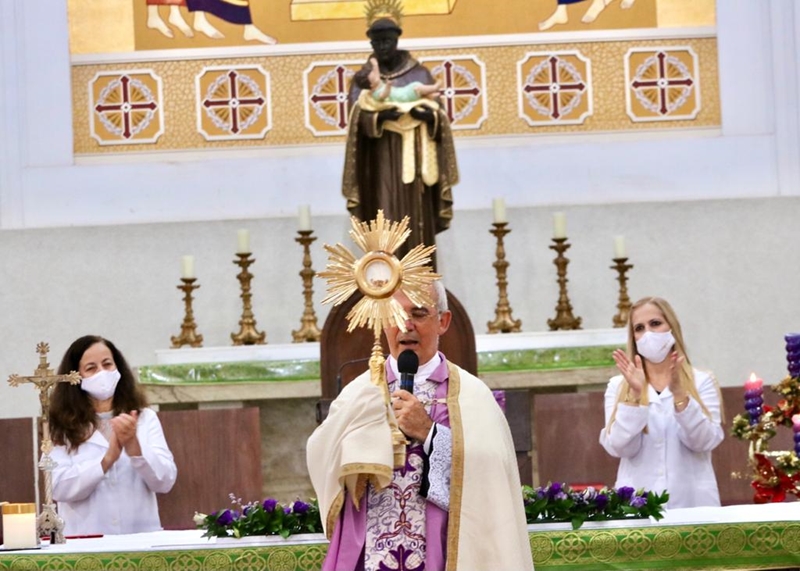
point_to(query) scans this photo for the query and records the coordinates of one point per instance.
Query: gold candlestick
(624, 304)
(564, 318)
(248, 334)
(503, 322)
(189, 335)
(308, 323)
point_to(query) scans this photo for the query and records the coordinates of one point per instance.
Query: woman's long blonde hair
(686, 372)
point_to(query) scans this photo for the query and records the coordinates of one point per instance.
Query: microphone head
(408, 362)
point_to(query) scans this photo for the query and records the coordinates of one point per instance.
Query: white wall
(709, 216)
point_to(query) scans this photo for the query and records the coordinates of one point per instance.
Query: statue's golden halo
(378, 274)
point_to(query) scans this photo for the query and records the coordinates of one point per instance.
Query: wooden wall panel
(567, 429)
(217, 452)
(17, 469)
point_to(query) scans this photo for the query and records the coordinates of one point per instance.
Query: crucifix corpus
(49, 522)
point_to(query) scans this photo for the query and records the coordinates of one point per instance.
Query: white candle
(19, 526)
(559, 225)
(619, 247)
(244, 241)
(499, 209)
(304, 217)
(187, 266)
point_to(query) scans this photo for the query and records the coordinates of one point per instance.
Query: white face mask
(101, 385)
(655, 346)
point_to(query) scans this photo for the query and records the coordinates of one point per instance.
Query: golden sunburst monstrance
(378, 274)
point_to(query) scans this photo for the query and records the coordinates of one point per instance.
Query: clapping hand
(112, 454)
(675, 384)
(633, 371)
(124, 426)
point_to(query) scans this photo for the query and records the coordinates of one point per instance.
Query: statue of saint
(399, 157)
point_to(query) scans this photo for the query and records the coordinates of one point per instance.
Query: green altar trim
(545, 359)
(238, 372)
(735, 546)
(308, 369)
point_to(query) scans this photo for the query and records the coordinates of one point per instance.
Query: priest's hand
(633, 371)
(125, 429)
(392, 114)
(411, 416)
(423, 114)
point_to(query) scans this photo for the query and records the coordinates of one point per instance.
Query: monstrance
(378, 275)
(49, 522)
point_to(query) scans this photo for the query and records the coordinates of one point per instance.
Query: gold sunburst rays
(376, 9)
(378, 274)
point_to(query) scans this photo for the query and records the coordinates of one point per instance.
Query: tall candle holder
(308, 323)
(564, 318)
(49, 523)
(189, 335)
(503, 322)
(624, 303)
(248, 334)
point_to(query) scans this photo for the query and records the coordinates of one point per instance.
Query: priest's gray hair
(441, 295)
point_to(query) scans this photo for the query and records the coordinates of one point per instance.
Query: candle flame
(753, 378)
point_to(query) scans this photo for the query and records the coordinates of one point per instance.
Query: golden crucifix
(378, 274)
(44, 379)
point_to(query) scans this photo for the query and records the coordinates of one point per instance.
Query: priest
(456, 503)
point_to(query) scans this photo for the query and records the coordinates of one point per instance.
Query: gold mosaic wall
(288, 96)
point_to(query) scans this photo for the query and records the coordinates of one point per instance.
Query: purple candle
(753, 391)
(796, 428)
(793, 354)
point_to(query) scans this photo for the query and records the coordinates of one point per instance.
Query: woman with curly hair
(111, 454)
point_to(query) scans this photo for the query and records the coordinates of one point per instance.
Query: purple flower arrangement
(558, 502)
(267, 517)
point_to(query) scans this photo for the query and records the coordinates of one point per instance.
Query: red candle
(753, 383)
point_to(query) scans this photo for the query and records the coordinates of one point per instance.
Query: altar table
(735, 537)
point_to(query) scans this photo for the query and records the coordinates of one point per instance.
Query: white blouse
(674, 454)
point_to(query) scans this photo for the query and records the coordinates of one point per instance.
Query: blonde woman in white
(663, 417)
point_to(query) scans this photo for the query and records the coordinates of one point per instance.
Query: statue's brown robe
(373, 168)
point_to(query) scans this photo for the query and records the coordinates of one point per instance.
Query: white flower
(199, 518)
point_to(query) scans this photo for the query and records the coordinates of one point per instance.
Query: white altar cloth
(192, 539)
(152, 541)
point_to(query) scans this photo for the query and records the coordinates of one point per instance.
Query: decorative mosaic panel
(290, 112)
(126, 107)
(662, 84)
(463, 80)
(554, 88)
(233, 103)
(325, 86)
(710, 547)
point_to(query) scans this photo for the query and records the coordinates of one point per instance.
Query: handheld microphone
(408, 365)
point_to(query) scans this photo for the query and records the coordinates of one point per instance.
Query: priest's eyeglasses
(420, 314)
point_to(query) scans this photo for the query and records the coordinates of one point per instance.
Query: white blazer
(675, 452)
(123, 500)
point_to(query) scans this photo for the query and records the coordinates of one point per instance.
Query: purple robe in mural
(238, 13)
